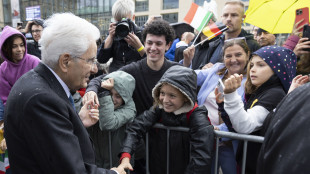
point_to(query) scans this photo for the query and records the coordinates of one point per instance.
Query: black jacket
(287, 142)
(190, 152)
(43, 132)
(120, 51)
(33, 48)
(252, 44)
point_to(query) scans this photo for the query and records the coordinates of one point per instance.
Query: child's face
(260, 71)
(171, 98)
(117, 99)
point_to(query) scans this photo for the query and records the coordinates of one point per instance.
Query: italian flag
(4, 162)
(197, 17)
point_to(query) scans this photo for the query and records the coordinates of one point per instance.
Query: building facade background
(99, 13)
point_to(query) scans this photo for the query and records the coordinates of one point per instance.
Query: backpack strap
(191, 111)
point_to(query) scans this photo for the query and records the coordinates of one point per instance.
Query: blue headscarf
(282, 61)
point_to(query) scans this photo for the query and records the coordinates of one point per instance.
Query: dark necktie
(71, 101)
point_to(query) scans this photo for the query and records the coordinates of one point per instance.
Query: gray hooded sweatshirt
(113, 121)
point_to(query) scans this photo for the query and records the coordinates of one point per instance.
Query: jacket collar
(272, 82)
(50, 78)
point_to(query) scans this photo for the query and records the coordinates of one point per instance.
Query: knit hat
(282, 61)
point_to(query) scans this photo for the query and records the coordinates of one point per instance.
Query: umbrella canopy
(274, 16)
(180, 28)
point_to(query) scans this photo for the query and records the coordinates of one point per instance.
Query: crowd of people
(57, 118)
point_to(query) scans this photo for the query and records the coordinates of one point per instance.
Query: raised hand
(133, 40)
(108, 84)
(232, 83)
(296, 29)
(188, 55)
(302, 44)
(209, 65)
(218, 96)
(298, 81)
(91, 95)
(89, 113)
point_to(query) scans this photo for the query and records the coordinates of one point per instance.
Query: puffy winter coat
(190, 152)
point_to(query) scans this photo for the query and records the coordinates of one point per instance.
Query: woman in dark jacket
(190, 152)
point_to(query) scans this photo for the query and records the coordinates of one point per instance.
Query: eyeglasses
(36, 31)
(92, 61)
(237, 38)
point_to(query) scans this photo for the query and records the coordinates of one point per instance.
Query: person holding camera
(35, 27)
(123, 43)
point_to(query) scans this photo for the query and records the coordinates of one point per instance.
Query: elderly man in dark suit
(43, 131)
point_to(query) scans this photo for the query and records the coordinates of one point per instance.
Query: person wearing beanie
(174, 105)
(264, 38)
(269, 75)
(35, 27)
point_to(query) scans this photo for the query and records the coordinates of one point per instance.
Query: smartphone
(302, 13)
(19, 24)
(220, 87)
(306, 33)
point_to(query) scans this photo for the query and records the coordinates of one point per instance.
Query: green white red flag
(197, 17)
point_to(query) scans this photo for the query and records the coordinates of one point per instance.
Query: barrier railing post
(168, 150)
(216, 155)
(218, 134)
(147, 153)
(110, 150)
(245, 146)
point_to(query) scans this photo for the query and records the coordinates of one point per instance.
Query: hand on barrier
(125, 164)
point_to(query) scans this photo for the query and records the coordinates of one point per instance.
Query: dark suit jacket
(43, 132)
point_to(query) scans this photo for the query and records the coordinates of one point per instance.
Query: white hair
(66, 33)
(123, 9)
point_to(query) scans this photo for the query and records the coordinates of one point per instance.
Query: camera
(123, 28)
(19, 24)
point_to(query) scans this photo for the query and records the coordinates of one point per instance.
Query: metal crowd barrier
(243, 137)
(218, 135)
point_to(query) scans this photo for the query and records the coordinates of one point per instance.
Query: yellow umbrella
(274, 16)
